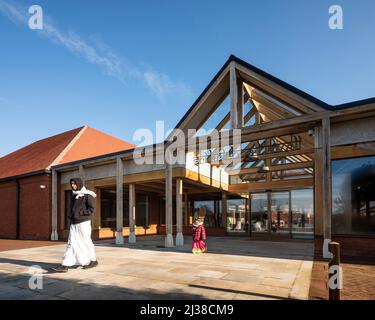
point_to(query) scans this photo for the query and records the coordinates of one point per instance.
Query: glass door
(236, 218)
(302, 213)
(259, 213)
(280, 212)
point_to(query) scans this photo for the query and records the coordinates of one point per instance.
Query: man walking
(80, 249)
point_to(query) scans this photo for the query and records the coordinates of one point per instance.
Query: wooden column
(132, 204)
(119, 200)
(267, 162)
(186, 203)
(168, 203)
(224, 209)
(54, 235)
(318, 183)
(240, 102)
(179, 218)
(327, 187)
(233, 93)
(269, 211)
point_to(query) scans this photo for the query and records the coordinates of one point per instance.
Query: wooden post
(249, 208)
(335, 272)
(318, 182)
(224, 209)
(186, 203)
(168, 202)
(269, 212)
(327, 188)
(54, 234)
(233, 92)
(240, 102)
(179, 235)
(119, 200)
(132, 206)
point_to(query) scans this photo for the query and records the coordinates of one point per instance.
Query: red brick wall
(8, 209)
(351, 247)
(35, 208)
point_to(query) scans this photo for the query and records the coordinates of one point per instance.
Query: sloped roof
(282, 83)
(93, 143)
(73, 145)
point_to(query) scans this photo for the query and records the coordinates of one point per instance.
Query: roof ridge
(68, 147)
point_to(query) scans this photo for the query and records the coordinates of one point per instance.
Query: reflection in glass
(259, 212)
(302, 212)
(353, 196)
(236, 217)
(280, 212)
(209, 211)
(108, 208)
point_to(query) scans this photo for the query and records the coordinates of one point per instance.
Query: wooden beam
(261, 98)
(233, 93)
(240, 103)
(327, 187)
(274, 185)
(286, 153)
(277, 92)
(336, 115)
(280, 167)
(249, 115)
(223, 122)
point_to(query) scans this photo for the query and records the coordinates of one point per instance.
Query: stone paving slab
(234, 268)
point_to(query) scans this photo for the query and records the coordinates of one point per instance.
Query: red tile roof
(73, 145)
(92, 143)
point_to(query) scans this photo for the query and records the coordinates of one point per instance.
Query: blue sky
(121, 65)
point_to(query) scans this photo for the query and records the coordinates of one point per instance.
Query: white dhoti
(80, 249)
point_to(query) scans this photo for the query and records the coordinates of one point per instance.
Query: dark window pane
(141, 210)
(208, 211)
(109, 207)
(353, 196)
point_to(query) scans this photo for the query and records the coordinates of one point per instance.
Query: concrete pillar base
(54, 235)
(132, 238)
(326, 253)
(179, 239)
(169, 241)
(119, 238)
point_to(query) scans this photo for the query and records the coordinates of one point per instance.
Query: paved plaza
(234, 268)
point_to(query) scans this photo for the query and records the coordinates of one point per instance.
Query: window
(209, 210)
(162, 211)
(236, 215)
(109, 208)
(353, 196)
(141, 210)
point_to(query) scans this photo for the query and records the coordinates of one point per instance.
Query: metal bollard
(334, 272)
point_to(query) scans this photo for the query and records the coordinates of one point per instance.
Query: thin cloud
(99, 54)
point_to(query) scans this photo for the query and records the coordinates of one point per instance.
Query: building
(306, 170)
(25, 178)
